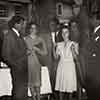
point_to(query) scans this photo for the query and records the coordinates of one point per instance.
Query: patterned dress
(66, 72)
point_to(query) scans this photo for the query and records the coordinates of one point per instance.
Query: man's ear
(15, 26)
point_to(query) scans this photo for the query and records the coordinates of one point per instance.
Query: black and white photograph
(49, 49)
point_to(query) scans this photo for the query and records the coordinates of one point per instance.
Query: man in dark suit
(93, 68)
(15, 55)
(55, 36)
(55, 30)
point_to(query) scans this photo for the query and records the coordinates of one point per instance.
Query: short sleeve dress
(66, 72)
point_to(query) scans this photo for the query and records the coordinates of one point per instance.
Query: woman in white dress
(66, 81)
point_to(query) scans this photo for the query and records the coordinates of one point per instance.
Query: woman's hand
(73, 51)
(29, 52)
(35, 49)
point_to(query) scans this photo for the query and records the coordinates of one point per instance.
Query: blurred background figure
(93, 68)
(75, 34)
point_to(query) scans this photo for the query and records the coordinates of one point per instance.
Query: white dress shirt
(53, 37)
(95, 30)
(16, 31)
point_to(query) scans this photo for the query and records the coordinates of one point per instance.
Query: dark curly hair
(14, 20)
(66, 27)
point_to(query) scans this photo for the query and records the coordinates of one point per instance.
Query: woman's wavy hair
(63, 26)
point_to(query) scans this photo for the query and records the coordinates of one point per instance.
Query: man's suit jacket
(14, 52)
(93, 69)
(49, 45)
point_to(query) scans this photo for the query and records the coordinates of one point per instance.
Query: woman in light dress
(35, 46)
(66, 51)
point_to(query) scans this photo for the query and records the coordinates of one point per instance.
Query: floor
(46, 97)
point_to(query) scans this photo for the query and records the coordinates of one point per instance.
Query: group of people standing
(64, 54)
(24, 55)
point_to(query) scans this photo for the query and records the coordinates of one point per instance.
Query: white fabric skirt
(6, 82)
(66, 77)
(45, 82)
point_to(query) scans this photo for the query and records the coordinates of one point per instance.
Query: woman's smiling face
(65, 33)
